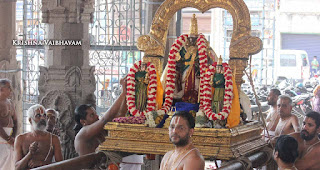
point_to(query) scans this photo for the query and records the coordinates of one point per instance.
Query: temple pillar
(67, 81)
(9, 67)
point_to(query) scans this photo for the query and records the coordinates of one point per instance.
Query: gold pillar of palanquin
(242, 43)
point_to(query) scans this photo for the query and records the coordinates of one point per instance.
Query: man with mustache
(38, 147)
(185, 156)
(309, 143)
(288, 122)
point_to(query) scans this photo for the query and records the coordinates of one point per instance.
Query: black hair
(287, 148)
(315, 116)
(187, 116)
(80, 114)
(276, 92)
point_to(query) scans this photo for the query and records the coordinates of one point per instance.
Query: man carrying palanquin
(89, 129)
(8, 125)
(38, 147)
(288, 122)
(309, 143)
(273, 114)
(185, 156)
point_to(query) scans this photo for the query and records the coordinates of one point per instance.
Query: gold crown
(194, 26)
(220, 60)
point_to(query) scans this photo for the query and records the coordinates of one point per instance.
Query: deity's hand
(123, 83)
(33, 148)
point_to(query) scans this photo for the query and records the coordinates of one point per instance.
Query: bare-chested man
(286, 152)
(91, 132)
(8, 126)
(309, 143)
(185, 156)
(273, 115)
(38, 147)
(288, 122)
(52, 116)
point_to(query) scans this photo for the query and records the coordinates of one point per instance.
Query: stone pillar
(67, 80)
(9, 67)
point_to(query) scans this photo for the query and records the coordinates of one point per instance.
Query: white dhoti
(6, 152)
(132, 162)
(265, 135)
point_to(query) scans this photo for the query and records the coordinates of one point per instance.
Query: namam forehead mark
(177, 120)
(40, 111)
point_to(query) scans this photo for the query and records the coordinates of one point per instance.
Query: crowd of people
(295, 146)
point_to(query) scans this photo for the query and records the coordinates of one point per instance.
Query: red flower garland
(228, 95)
(152, 89)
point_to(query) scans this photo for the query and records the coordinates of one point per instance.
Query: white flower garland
(171, 75)
(207, 96)
(203, 61)
(152, 89)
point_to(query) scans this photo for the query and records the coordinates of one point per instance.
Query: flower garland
(203, 61)
(152, 89)
(170, 81)
(228, 94)
(171, 75)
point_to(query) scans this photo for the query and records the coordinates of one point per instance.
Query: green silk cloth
(141, 90)
(218, 95)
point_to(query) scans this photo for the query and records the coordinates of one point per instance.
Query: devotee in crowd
(90, 129)
(286, 152)
(309, 143)
(288, 122)
(314, 66)
(185, 156)
(315, 102)
(52, 118)
(273, 114)
(8, 125)
(38, 147)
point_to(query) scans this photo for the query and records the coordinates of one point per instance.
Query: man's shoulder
(296, 135)
(168, 153)
(23, 136)
(195, 155)
(317, 146)
(293, 118)
(194, 159)
(80, 135)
